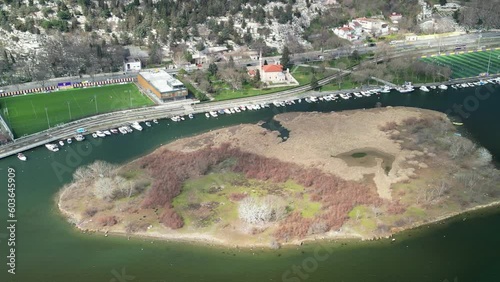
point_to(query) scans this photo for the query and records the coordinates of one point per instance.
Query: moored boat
(79, 137)
(21, 156)
(155, 121)
(69, 141)
(443, 87)
(114, 130)
(136, 126)
(61, 143)
(52, 147)
(100, 134)
(107, 132)
(122, 130)
(424, 88)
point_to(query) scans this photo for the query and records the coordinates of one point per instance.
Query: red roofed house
(274, 74)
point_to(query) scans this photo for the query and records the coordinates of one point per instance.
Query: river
(50, 249)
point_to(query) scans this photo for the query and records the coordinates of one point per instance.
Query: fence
(75, 85)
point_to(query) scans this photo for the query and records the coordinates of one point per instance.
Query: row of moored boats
(54, 147)
(461, 85)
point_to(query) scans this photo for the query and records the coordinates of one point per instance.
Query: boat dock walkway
(384, 82)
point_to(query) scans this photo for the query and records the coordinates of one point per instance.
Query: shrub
(107, 220)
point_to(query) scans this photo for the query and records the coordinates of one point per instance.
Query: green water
(358, 155)
(49, 249)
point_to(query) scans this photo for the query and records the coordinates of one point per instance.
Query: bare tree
(259, 211)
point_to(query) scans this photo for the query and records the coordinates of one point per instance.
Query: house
(274, 74)
(411, 37)
(395, 17)
(131, 64)
(350, 33)
(374, 26)
(163, 85)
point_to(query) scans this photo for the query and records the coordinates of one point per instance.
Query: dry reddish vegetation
(337, 196)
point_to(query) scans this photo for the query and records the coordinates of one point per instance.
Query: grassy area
(32, 113)
(346, 83)
(470, 64)
(304, 74)
(225, 93)
(192, 90)
(213, 194)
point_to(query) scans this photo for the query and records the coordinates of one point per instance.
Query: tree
(212, 69)
(285, 57)
(314, 82)
(155, 54)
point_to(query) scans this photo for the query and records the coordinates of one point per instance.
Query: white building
(132, 64)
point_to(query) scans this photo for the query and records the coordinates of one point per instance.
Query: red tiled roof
(272, 68)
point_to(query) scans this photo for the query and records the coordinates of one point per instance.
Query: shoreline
(213, 241)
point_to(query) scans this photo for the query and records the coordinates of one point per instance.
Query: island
(353, 174)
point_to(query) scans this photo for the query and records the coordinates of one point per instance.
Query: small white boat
(52, 147)
(94, 135)
(300, 101)
(79, 137)
(21, 156)
(122, 130)
(136, 126)
(407, 87)
(61, 143)
(232, 111)
(432, 87)
(366, 94)
(107, 132)
(155, 121)
(207, 115)
(100, 134)
(237, 110)
(213, 114)
(357, 94)
(385, 89)
(313, 99)
(114, 130)
(147, 123)
(443, 87)
(69, 141)
(424, 88)
(128, 129)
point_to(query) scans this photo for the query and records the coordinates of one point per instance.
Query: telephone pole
(69, 110)
(47, 115)
(95, 100)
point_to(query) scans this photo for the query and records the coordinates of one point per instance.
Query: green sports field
(470, 64)
(28, 113)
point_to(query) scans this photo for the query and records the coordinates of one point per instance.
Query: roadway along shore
(115, 119)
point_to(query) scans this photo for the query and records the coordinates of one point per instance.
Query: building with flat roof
(132, 64)
(163, 85)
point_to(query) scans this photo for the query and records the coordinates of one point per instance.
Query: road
(116, 119)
